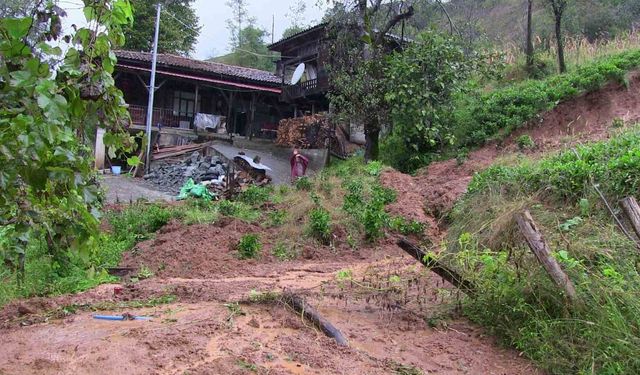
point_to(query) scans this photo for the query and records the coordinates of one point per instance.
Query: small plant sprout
(249, 246)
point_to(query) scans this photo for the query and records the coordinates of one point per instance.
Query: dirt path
(205, 333)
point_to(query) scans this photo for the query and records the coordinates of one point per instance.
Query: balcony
(306, 88)
(165, 117)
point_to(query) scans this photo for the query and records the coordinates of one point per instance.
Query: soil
(584, 119)
(223, 318)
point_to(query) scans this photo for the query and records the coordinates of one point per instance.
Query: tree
(179, 29)
(359, 31)
(240, 15)
(422, 83)
(296, 19)
(529, 37)
(252, 53)
(558, 7)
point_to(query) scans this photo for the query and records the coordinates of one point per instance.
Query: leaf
(133, 161)
(17, 27)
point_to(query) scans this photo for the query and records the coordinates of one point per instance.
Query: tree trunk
(302, 307)
(529, 42)
(561, 64)
(632, 209)
(437, 267)
(372, 141)
(536, 242)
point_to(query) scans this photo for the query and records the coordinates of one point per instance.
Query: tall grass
(517, 301)
(578, 50)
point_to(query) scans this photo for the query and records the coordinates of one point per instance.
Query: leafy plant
(48, 117)
(404, 226)
(255, 195)
(283, 252)
(303, 183)
(525, 142)
(319, 224)
(249, 246)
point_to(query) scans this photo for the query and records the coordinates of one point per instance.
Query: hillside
(504, 21)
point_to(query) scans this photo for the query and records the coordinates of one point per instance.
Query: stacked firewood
(304, 132)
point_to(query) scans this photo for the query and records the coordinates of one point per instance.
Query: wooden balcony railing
(162, 116)
(306, 88)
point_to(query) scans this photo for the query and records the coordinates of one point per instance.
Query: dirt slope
(586, 118)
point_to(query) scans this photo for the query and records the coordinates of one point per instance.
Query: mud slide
(222, 317)
(589, 117)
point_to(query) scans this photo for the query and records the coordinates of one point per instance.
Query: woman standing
(299, 164)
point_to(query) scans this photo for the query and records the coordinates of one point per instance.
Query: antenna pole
(273, 27)
(152, 89)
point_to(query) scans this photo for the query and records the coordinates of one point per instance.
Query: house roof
(277, 45)
(310, 30)
(199, 66)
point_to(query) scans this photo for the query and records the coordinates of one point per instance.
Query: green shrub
(139, 220)
(303, 183)
(255, 195)
(238, 210)
(525, 142)
(249, 246)
(283, 252)
(405, 226)
(614, 164)
(276, 218)
(319, 224)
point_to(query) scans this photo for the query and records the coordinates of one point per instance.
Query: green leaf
(17, 27)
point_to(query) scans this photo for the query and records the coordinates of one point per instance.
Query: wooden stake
(437, 267)
(536, 242)
(632, 209)
(301, 306)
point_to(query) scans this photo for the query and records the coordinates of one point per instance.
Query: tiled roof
(296, 35)
(202, 66)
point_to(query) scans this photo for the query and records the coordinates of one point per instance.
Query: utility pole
(152, 89)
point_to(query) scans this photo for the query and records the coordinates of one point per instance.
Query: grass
(517, 300)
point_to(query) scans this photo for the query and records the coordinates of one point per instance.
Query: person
(299, 165)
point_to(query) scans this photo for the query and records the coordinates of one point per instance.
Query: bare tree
(529, 42)
(558, 7)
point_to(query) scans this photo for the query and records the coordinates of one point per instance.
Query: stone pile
(172, 176)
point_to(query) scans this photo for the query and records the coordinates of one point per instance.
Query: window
(184, 104)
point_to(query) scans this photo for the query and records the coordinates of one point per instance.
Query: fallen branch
(536, 242)
(437, 267)
(301, 306)
(632, 209)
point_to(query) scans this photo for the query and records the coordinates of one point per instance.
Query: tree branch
(394, 21)
(451, 25)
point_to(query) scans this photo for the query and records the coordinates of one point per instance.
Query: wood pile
(305, 132)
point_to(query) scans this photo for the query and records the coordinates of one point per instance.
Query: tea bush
(249, 246)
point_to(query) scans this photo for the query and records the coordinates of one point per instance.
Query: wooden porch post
(230, 109)
(197, 103)
(252, 108)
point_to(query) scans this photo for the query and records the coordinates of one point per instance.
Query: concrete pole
(152, 89)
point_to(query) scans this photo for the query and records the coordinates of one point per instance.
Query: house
(245, 101)
(308, 47)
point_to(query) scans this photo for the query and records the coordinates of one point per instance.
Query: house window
(184, 104)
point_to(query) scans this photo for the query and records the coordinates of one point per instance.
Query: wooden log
(632, 209)
(536, 242)
(437, 267)
(308, 312)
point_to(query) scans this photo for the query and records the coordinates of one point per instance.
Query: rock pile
(172, 176)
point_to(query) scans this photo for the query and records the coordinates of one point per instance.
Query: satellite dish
(297, 74)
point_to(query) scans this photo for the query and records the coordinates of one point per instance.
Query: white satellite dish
(297, 75)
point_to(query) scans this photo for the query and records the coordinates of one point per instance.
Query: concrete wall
(317, 157)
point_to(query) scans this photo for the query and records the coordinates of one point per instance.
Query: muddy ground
(215, 314)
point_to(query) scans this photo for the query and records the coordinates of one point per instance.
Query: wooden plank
(301, 306)
(537, 244)
(437, 267)
(632, 209)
